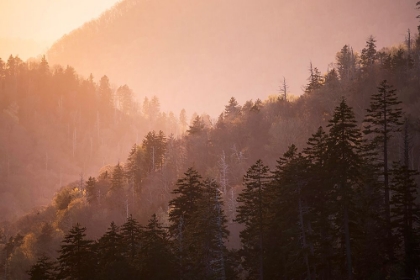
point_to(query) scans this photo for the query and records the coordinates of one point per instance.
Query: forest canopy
(320, 186)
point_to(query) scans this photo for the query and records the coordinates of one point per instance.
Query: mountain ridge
(196, 55)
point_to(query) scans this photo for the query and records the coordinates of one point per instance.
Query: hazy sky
(210, 50)
(30, 26)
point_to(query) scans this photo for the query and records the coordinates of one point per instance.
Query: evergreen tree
(319, 194)
(43, 269)
(289, 218)
(252, 213)
(404, 214)
(183, 120)
(157, 260)
(209, 233)
(116, 193)
(131, 234)
(315, 79)
(405, 210)
(105, 92)
(284, 90)
(154, 109)
(346, 63)
(110, 257)
(126, 100)
(197, 126)
(106, 100)
(184, 206)
(154, 147)
(160, 149)
(383, 118)
(117, 179)
(232, 110)
(344, 163)
(369, 242)
(133, 168)
(368, 56)
(76, 260)
(91, 190)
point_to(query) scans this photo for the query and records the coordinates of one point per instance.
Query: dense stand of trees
(192, 247)
(323, 217)
(317, 215)
(56, 125)
(340, 203)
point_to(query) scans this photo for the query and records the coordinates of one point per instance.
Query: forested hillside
(320, 186)
(56, 127)
(192, 54)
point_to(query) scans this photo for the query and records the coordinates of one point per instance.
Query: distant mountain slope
(197, 54)
(56, 127)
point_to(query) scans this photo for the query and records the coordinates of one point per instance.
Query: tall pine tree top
(384, 115)
(344, 142)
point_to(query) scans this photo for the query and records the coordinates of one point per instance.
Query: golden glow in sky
(28, 27)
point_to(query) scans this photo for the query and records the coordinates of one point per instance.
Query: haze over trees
(57, 126)
(194, 55)
(321, 186)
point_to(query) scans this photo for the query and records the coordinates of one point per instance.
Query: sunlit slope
(196, 54)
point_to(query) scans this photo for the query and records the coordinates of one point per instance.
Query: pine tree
(368, 56)
(157, 260)
(315, 79)
(184, 206)
(284, 90)
(319, 191)
(252, 213)
(383, 118)
(160, 149)
(154, 147)
(106, 100)
(110, 256)
(105, 91)
(116, 193)
(183, 120)
(232, 110)
(405, 210)
(209, 233)
(131, 234)
(404, 214)
(344, 162)
(91, 190)
(117, 179)
(43, 269)
(76, 260)
(289, 213)
(126, 100)
(346, 63)
(197, 126)
(133, 168)
(369, 246)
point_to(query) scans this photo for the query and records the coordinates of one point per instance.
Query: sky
(29, 27)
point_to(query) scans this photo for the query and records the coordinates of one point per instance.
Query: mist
(222, 140)
(196, 55)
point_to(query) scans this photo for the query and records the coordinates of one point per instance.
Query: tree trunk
(347, 237)
(308, 270)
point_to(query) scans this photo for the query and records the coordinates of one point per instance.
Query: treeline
(339, 209)
(56, 126)
(191, 247)
(334, 211)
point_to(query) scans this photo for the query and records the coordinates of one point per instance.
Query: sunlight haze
(32, 26)
(209, 139)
